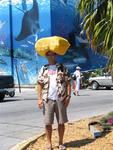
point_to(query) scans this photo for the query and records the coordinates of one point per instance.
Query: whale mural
(29, 20)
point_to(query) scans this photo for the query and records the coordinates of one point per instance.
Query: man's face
(50, 54)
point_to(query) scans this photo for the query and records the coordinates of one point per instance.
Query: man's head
(78, 68)
(51, 57)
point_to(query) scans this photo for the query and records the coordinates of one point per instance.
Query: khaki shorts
(54, 107)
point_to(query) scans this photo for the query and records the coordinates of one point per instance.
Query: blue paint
(32, 20)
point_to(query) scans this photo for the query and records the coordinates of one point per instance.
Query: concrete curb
(23, 145)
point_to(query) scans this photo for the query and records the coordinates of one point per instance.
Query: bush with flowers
(107, 121)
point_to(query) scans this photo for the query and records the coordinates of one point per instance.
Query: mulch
(77, 137)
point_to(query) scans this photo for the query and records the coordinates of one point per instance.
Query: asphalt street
(21, 119)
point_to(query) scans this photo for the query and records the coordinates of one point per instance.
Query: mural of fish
(30, 22)
(2, 61)
(64, 2)
(42, 18)
(2, 24)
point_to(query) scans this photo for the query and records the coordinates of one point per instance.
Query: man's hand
(66, 101)
(39, 90)
(40, 103)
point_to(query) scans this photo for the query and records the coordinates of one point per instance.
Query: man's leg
(76, 93)
(61, 115)
(49, 117)
(48, 129)
(61, 129)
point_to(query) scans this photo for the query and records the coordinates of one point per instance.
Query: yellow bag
(55, 44)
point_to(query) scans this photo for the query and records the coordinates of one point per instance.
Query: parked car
(6, 86)
(101, 81)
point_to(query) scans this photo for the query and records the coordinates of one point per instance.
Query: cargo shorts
(52, 108)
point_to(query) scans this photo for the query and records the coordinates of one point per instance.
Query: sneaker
(62, 147)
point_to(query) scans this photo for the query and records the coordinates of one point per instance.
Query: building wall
(23, 22)
(66, 20)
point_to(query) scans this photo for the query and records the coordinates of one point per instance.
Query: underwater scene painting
(23, 22)
(66, 22)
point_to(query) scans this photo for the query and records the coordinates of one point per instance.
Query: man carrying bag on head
(54, 88)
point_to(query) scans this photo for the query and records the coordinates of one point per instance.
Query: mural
(66, 23)
(28, 24)
(23, 22)
(5, 59)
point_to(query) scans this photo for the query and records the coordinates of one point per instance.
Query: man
(54, 93)
(77, 82)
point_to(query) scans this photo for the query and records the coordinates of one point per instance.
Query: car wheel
(11, 94)
(95, 85)
(108, 88)
(2, 97)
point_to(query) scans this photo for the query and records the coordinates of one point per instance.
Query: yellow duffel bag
(55, 44)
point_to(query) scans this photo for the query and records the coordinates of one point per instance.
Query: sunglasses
(50, 54)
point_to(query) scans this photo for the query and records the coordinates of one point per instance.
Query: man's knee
(61, 125)
(48, 126)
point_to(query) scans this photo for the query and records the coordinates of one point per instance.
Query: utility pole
(11, 37)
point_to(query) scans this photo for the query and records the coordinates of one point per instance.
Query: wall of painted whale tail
(23, 22)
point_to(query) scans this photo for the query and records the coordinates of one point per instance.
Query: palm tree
(98, 25)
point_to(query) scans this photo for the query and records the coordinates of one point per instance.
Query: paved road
(20, 119)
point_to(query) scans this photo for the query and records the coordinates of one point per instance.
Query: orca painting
(30, 22)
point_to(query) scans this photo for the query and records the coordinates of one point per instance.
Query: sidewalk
(18, 118)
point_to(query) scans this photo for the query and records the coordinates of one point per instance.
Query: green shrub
(107, 121)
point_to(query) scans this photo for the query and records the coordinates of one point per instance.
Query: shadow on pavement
(10, 100)
(79, 143)
(17, 99)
